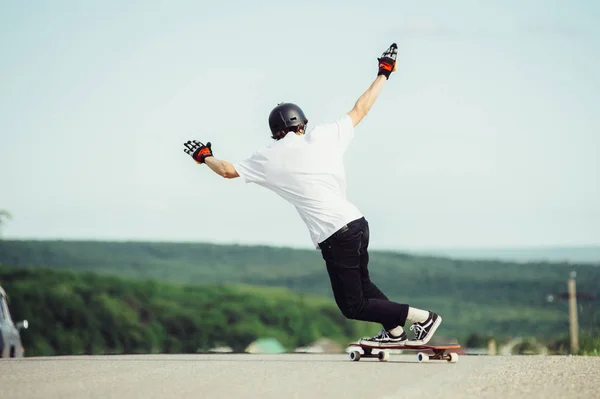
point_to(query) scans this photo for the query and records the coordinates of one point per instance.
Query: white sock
(416, 315)
(396, 331)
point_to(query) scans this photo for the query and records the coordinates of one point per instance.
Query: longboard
(440, 352)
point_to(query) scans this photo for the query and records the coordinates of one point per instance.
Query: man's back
(308, 171)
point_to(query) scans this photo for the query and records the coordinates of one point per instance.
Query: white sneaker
(384, 338)
(425, 330)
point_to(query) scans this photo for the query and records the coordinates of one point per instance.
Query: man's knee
(353, 310)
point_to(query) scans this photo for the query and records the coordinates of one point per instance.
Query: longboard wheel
(383, 356)
(422, 357)
(453, 358)
(355, 356)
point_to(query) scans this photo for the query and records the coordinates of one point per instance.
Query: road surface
(298, 376)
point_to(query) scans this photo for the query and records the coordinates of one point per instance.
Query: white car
(10, 339)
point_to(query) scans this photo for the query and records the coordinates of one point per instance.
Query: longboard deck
(440, 352)
(409, 347)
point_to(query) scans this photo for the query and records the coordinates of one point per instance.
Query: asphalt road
(298, 376)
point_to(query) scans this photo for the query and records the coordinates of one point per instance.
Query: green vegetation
(477, 341)
(528, 346)
(4, 215)
(589, 344)
(489, 298)
(83, 313)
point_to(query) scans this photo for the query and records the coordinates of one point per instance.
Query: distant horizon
(582, 253)
(424, 248)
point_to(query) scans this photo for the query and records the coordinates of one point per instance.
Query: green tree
(4, 215)
(528, 346)
(476, 340)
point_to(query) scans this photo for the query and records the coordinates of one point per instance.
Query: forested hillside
(84, 313)
(499, 298)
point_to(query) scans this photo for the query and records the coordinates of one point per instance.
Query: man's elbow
(229, 173)
(362, 109)
(357, 114)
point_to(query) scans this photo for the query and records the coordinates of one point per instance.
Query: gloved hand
(387, 61)
(197, 150)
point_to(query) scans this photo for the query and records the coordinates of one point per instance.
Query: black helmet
(285, 116)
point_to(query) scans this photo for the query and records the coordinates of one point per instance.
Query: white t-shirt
(308, 171)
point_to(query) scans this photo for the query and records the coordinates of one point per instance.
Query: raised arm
(366, 100)
(202, 153)
(387, 65)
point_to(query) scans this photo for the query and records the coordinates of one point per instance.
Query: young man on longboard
(306, 168)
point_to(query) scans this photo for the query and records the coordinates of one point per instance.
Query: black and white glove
(387, 61)
(197, 150)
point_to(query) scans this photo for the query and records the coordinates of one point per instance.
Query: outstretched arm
(203, 154)
(387, 65)
(222, 168)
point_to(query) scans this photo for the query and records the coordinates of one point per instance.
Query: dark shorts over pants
(347, 259)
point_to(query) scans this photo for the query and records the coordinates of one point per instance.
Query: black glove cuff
(204, 156)
(384, 72)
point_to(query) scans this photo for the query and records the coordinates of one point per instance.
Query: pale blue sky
(487, 136)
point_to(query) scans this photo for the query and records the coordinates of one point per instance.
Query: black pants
(347, 259)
